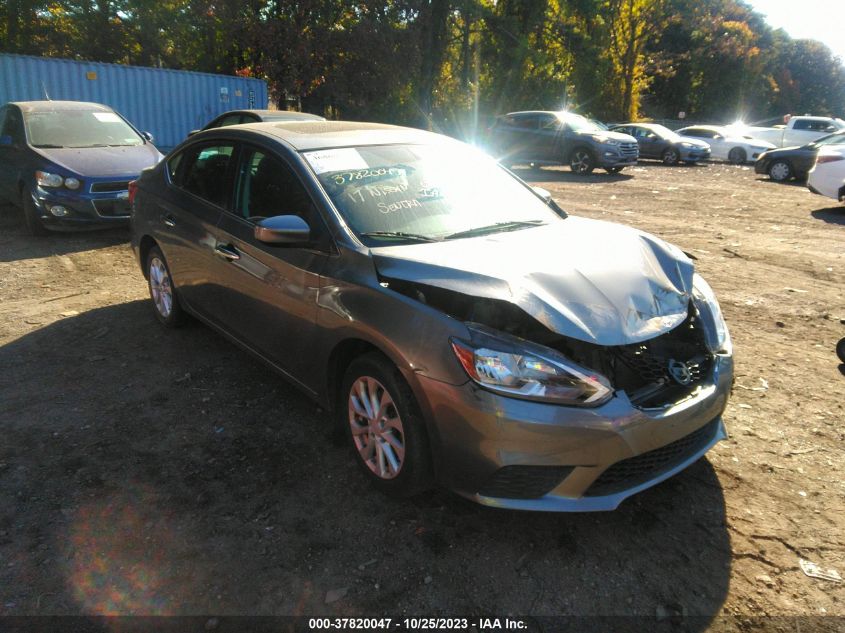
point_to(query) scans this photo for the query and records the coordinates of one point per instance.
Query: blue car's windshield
(79, 128)
(425, 192)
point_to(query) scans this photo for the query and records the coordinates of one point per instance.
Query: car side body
(313, 308)
(86, 154)
(726, 144)
(553, 138)
(658, 142)
(827, 177)
(787, 163)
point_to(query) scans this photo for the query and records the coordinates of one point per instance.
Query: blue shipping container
(166, 103)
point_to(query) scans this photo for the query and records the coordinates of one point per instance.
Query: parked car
(827, 177)
(798, 130)
(551, 138)
(237, 117)
(68, 164)
(794, 162)
(726, 144)
(460, 326)
(657, 141)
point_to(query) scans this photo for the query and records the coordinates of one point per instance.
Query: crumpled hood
(95, 162)
(590, 280)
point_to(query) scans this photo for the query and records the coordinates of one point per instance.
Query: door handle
(227, 251)
(168, 220)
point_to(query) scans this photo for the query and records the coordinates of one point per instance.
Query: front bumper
(85, 211)
(694, 154)
(613, 157)
(484, 440)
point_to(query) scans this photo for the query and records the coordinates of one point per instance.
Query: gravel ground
(145, 471)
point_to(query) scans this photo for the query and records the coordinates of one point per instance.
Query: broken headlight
(513, 367)
(716, 333)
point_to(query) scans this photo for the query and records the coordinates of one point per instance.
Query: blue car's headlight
(716, 333)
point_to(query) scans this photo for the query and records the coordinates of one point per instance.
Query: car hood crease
(586, 279)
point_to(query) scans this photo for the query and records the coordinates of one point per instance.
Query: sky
(822, 20)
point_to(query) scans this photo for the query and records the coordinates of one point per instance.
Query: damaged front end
(531, 361)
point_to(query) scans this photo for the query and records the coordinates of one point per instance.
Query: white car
(827, 177)
(727, 144)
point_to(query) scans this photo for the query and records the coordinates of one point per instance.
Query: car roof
(310, 135)
(54, 106)
(278, 114)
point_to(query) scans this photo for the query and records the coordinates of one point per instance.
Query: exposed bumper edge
(553, 503)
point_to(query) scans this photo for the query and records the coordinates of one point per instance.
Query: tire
(780, 170)
(737, 156)
(166, 304)
(613, 170)
(670, 156)
(581, 161)
(30, 216)
(376, 442)
(840, 349)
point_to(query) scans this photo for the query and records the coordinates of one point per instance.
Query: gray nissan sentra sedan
(461, 327)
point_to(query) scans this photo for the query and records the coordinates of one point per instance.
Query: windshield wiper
(49, 146)
(401, 235)
(87, 146)
(495, 228)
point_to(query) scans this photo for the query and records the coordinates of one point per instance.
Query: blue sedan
(68, 164)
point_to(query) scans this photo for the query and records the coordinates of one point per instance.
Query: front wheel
(582, 162)
(671, 156)
(31, 216)
(737, 156)
(780, 171)
(166, 304)
(840, 349)
(384, 426)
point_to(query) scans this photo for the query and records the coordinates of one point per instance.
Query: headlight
(71, 183)
(520, 369)
(716, 333)
(46, 179)
(687, 144)
(604, 140)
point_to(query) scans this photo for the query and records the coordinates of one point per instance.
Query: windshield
(664, 132)
(79, 128)
(581, 123)
(387, 193)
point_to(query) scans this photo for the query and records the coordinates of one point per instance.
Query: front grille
(524, 482)
(112, 208)
(110, 187)
(642, 468)
(629, 150)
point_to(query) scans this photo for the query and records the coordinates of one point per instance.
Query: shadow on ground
(832, 215)
(17, 244)
(151, 471)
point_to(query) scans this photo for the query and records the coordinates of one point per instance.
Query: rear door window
(206, 172)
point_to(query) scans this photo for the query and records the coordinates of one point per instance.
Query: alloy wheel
(376, 427)
(160, 287)
(580, 162)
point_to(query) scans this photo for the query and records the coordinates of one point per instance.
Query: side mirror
(147, 136)
(283, 229)
(543, 193)
(6, 141)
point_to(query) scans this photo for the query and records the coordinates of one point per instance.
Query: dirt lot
(157, 472)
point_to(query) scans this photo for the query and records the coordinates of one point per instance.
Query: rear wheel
(166, 304)
(780, 171)
(840, 349)
(671, 156)
(613, 170)
(384, 426)
(31, 216)
(737, 156)
(582, 162)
